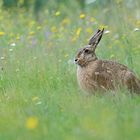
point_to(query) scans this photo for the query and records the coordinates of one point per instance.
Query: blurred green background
(39, 94)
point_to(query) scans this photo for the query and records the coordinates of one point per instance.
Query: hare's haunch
(96, 74)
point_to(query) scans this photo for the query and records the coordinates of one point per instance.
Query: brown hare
(95, 74)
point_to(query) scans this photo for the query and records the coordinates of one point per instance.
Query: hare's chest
(85, 79)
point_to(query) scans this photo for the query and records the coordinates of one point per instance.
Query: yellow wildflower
(35, 98)
(65, 21)
(31, 33)
(54, 29)
(78, 31)
(32, 122)
(39, 27)
(82, 16)
(87, 40)
(138, 22)
(57, 13)
(92, 19)
(17, 37)
(11, 35)
(32, 23)
(66, 55)
(1, 17)
(74, 39)
(21, 2)
(2, 33)
(89, 30)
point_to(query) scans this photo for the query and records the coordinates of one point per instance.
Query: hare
(95, 74)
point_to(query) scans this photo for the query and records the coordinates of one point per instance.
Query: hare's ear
(95, 39)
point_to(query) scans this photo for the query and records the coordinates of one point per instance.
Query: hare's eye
(87, 51)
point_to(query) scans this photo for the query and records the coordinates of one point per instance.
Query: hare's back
(113, 65)
(113, 68)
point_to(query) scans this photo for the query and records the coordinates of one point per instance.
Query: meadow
(39, 94)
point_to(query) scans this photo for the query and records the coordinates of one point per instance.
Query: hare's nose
(76, 60)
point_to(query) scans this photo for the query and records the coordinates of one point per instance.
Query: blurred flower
(31, 33)
(112, 56)
(136, 29)
(31, 23)
(2, 33)
(54, 29)
(39, 27)
(21, 2)
(1, 17)
(10, 50)
(32, 122)
(106, 32)
(65, 21)
(17, 37)
(82, 16)
(110, 47)
(57, 13)
(35, 98)
(138, 22)
(11, 35)
(89, 30)
(13, 44)
(2, 58)
(74, 39)
(92, 19)
(66, 55)
(78, 31)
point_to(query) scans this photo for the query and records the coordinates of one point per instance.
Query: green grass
(39, 78)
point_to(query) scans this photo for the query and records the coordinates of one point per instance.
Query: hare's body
(94, 74)
(104, 75)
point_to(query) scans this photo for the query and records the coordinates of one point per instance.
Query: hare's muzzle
(79, 62)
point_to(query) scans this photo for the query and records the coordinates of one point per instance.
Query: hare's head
(87, 54)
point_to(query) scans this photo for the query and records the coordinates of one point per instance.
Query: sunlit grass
(40, 97)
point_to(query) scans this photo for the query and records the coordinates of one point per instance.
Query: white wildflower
(13, 44)
(106, 32)
(2, 58)
(136, 29)
(10, 50)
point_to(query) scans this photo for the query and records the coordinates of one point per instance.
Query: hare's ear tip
(103, 29)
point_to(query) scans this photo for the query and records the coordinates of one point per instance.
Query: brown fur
(94, 74)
